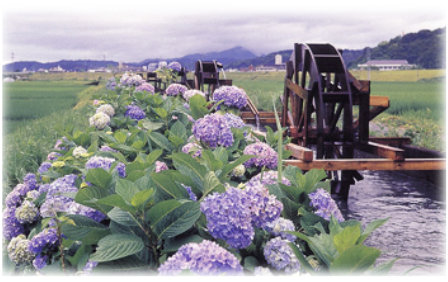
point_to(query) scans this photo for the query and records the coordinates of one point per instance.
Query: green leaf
(153, 156)
(166, 185)
(370, 228)
(384, 268)
(173, 217)
(84, 229)
(178, 129)
(303, 261)
(150, 125)
(347, 238)
(212, 184)
(161, 112)
(250, 262)
(160, 140)
(120, 136)
(115, 200)
(173, 244)
(230, 166)
(89, 197)
(126, 189)
(355, 259)
(140, 198)
(198, 106)
(122, 217)
(116, 246)
(99, 177)
(187, 165)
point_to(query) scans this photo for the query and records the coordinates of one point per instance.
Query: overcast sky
(132, 31)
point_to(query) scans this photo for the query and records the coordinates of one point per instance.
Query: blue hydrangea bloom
(175, 66)
(129, 80)
(147, 87)
(106, 148)
(205, 258)
(265, 155)
(229, 217)
(135, 112)
(53, 156)
(279, 255)
(121, 169)
(324, 205)
(232, 96)
(265, 208)
(46, 239)
(266, 178)
(40, 262)
(192, 195)
(99, 162)
(11, 226)
(44, 167)
(234, 121)
(213, 131)
(30, 180)
(160, 166)
(27, 212)
(192, 148)
(175, 89)
(279, 226)
(90, 265)
(111, 84)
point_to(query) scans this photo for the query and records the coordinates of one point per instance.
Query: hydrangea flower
(53, 156)
(324, 205)
(279, 254)
(192, 195)
(99, 120)
(44, 167)
(13, 199)
(160, 166)
(106, 148)
(213, 131)
(27, 212)
(30, 181)
(75, 208)
(129, 80)
(265, 155)
(279, 226)
(175, 89)
(111, 84)
(206, 257)
(59, 142)
(121, 169)
(194, 148)
(265, 208)
(135, 112)
(266, 178)
(99, 162)
(229, 217)
(232, 96)
(145, 86)
(79, 152)
(234, 121)
(190, 93)
(11, 226)
(18, 251)
(40, 262)
(90, 265)
(33, 195)
(175, 66)
(46, 239)
(107, 109)
(239, 171)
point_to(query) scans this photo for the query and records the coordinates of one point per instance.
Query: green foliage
(116, 246)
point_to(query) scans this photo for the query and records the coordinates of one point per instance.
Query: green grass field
(27, 100)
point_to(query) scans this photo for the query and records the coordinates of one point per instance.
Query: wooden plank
(299, 152)
(381, 150)
(260, 114)
(262, 120)
(391, 141)
(296, 89)
(370, 164)
(379, 101)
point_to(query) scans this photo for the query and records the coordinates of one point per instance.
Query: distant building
(162, 64)
(265, 68)
(152, 67)
(57, 69)
(384, 65)
(278, 59)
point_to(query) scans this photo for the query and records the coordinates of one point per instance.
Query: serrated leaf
(167, 186)
(173, 217)
(116, 246)
(84, 229)
(212, 184)
(346, 238)
(89, 196)
(187, 165)
(160, 140)
(355, 259)
(370, 228)
(140, 198)
(303, 261)
(99, 177)
(126, 189)
(150, 125)
(178, 129)
(120, 136)
(153, 156)
(173, 244)
(116, 200)
(122, 217)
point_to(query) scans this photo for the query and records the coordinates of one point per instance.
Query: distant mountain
(78, 65)
(226, 57)
(424, 48)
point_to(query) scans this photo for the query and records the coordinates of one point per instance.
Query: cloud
(134, 35)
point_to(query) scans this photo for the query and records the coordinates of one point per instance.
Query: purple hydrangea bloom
(53, 205)
(53, 156)
(11, 226)
(106, 148)
(229, 217)
(13, 199)
(192, 195)
(90, 265)
(192, 148)
(160, 166)
(265, 155)
(135, 112)
(234, 121)
(27, 212)
(47, 238)
(175, 89)
(40, 262)
(206, 257)
(231, 95)
(175, 66)
(213, 130)
(145, 87)
(190, 93)
(121, 169)
(111, 84)
(279, 226)
(44, 188)
(75, 208)
(279, 254)
(324, 205)
(99, 162)
(44, 167)
(129, 80)
(265, 208)
(266, 178)
(30, 180)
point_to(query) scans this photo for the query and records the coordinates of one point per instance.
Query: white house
(278, 59)
(386, 65)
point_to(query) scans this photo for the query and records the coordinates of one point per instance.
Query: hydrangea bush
(158, 187)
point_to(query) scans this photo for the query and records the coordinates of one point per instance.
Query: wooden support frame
(370, 164)
(299, 152)
(382, 150)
